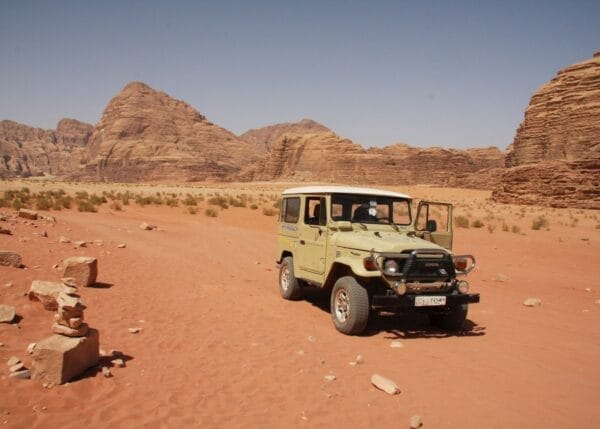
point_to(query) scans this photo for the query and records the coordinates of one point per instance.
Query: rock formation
(27, 151)
(326, 157)
(267, 136)
(555, 157)
(146, 135)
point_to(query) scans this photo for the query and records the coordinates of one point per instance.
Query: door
(313, 239)
(434, 223)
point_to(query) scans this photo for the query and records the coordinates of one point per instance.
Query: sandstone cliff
(559, 143)
(326, 157)
(27, 151)
(146, 135)
(268, 135)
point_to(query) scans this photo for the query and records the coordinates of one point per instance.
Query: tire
(349, 306)
(452, 320)
(289, 286)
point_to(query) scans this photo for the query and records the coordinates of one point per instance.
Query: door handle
(302, 242)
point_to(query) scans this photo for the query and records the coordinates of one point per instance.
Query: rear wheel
(452, 320)
(289, 285)
(349, 306)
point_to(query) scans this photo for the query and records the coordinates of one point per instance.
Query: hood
(383, 241)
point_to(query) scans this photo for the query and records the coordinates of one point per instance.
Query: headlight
(463, 287)
(391, 267)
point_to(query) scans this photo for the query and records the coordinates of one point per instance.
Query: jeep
(364, 246)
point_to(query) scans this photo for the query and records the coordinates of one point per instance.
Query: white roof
(343, 190)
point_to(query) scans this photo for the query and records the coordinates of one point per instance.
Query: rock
(396, 344)
(385, 384)
(10, 259)
(329, 377)
(46, 293)
(69, 282)
(80, 243)
(106, 372)
(31, 347)
(416, 422)
(58, 359)
(134, 330)
(13, 360)
(70, 304)
(9, 284)
(118, 363)
(24, 374)
(70, 332)
(532, 302)
(359, 359)
(121, 246)
(49, 219)
(5, 231)
(588, 289)
(63, 239)
(501, 278)
(17, 367)
(41, 234)
(7, 313)
(84, 269)
(98, 243)
(115, 353)
(28, 214)
(555, 159)
(147, 226)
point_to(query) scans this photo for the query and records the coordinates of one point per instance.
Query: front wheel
(452, 320)
(289, 285)
(349, 306)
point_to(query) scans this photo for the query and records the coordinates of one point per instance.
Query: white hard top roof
(343, 190)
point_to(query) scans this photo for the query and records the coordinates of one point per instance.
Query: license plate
(429, 301)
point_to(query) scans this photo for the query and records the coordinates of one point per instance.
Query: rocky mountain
(146, 135)
(268, 135)
(326, 157)
(559, 142)
(27, 151)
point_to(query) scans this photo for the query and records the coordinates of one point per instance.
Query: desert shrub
(515, 229)
(97, 200)
(43, 203)
(211, 212)
(477, 224)
(86, 206)
(18, 204)
(115, 205)
(504, 227)
(190, 200)
(218, 200)
(192, 210)
(4, 203)
(539, 223)
(65, 201)
(461, 221)
(269, 211)
(597, 225)
(172, 202)
(491, 228)
(253, 207)
(277, 203)
(82, 195)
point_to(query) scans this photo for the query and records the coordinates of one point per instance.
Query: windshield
(370, 209)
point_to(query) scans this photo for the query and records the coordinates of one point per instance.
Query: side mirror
(342, 225)
(431, 225)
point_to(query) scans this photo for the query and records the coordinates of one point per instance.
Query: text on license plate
(429, 301)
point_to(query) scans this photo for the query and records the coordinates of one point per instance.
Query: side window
(433, 217)
(337, 211)
(314, 211)
(290, 210)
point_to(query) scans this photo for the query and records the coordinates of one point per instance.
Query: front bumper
(407, 302)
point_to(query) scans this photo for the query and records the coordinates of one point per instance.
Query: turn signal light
(370, 264)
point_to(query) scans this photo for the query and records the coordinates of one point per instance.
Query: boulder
(46, 293)
(28, 214)
(8, 259)
(84, 269)
(5, 231)
(58, 359)
(7, 313)
(385, 384)
(83, 329)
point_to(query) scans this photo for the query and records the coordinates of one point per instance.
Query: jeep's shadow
(397, 326)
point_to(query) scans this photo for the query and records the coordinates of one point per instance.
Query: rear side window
(290, 210)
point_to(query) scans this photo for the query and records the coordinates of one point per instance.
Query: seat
(361, 214)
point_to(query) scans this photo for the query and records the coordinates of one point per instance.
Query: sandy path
(220, 348)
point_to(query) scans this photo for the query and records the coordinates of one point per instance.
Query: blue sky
(427, 73)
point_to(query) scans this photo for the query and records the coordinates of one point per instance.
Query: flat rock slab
(28, 214)
(84, 269)
(46, 293)
(10, 259)
(532, 302)
(59, 359)
(385, 384)
(7, 313)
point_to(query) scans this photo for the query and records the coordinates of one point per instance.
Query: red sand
(221, 348)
